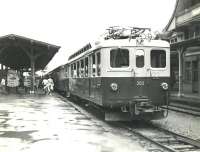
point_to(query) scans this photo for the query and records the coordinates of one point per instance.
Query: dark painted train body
(127, 78)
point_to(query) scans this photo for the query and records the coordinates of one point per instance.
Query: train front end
(136, 80)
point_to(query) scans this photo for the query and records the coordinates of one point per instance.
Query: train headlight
(164, 86)
(114, 86)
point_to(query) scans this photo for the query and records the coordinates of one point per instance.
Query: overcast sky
(72, 24)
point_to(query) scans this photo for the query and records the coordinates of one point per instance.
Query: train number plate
(140, 83)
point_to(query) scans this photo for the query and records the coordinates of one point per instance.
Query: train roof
(117, 43)
(131, 43)
(117, 36)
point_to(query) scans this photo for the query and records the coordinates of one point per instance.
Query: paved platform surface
(30, 123)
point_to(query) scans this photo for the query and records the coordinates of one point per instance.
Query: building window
(191, 71)
(158, 58)
(188, 71)
(195, 70)
(119, 58)
(197, 31)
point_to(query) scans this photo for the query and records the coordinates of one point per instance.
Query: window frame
(120, 68)
(157, 68)
(98, 65)
(86, 71)
(135, 59)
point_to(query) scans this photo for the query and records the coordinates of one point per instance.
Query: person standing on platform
(50, 85)
(3, 84)
(45, 85)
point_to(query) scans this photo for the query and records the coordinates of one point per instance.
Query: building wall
(184, 39)
(185, 4)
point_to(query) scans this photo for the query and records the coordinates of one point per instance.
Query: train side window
(66, 71)
(71, 70)
(93, 65)
(78, 69)
(119, 58)
(139, 58)
(74, 73)
(158, 58)
(82, 71)
(90, 66)
(98, 64)
(86, 67)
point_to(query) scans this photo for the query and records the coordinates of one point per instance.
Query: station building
(183, 33)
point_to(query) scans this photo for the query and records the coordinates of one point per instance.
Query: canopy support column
(32, 59)
(32, 74)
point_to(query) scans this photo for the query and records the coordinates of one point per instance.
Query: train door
(140, 68)
(140, 72)
(95, 80)
(91, 74)
(86, 77)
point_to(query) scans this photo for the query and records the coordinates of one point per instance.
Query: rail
(165, 139)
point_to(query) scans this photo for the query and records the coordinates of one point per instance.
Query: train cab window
(119, 58)
(158, 58)
(139, 58)
(82, 71)
(98, 64)
(86, 67)
(93, 65)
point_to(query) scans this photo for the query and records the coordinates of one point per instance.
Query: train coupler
(133, 109)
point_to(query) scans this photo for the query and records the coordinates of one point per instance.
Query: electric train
(126, 75)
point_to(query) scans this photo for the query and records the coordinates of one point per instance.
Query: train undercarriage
(140, 109)
(136, 110)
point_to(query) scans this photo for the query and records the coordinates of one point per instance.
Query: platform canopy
(18, 52)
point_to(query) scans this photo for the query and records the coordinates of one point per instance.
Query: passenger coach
(126, 76)
(60, 78)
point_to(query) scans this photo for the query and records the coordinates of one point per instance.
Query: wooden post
(6, 82)
(32, 74)
(32, 62)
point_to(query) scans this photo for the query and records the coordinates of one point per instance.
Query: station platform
(38, 122)
(190, 99)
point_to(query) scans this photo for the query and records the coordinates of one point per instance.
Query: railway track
(195, 111)
(166, 140)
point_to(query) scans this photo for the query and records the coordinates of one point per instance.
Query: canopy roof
(17, 51)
